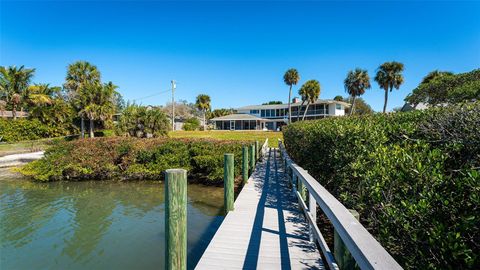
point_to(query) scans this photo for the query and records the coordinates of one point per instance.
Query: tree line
(388, 76)
(84, 97)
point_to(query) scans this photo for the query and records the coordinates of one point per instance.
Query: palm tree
(311, 90)
(389, 76)
(80, 75)
(291, 78)
(13, 84)
(203, 104)
(98, 103)
(41, 94)
(356, 83)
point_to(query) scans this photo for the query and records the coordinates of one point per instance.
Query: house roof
(237, 116)
(281, 106)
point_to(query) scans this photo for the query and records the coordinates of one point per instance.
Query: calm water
(96, 225)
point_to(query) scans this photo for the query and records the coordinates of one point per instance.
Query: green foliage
(219, 112)
(191, 124)
(445, 87)
(361, 107)
(272, 103)
(133, 159)
(140, 121)
(414, 177)
(24, 129)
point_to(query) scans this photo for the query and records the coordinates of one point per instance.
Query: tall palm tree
(356, 83)
(311, 88)
(291, 78)
(13, 84)
(389, 76)
(80, 76)
(203, 104)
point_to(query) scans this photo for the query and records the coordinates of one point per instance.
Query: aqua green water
(96, 225)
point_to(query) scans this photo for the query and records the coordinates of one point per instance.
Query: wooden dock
(266, 229)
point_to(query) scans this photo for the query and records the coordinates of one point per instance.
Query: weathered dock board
(266, 230)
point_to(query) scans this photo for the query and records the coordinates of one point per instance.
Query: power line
(157, 94)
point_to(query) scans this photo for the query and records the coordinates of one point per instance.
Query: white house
(272, 117)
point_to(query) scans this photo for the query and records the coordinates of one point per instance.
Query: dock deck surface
(266, 230)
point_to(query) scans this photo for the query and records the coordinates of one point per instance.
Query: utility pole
(173, 104)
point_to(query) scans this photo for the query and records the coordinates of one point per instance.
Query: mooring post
(252, 158)
(343, 257)
(176, 219)
(245, 164)
(257, 150)
(228, 177)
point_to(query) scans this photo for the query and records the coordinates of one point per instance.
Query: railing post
(301, 189)
(228, 183)
(176, 219)
(257, 155)
(343, 257)
(245, 164)
(251, 152)
(312, 208)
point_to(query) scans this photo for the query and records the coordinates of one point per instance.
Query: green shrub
(191, 124)
(129, 158)
(26, 129)
(414, 177)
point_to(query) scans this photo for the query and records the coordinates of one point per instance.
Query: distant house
(9, 114)
(272, 117)
(409, 107)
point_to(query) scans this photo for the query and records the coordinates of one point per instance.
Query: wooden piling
(343, 257)
(228, 182)
(257, 150)
(245, 164)
(176, 219)
(252, 158)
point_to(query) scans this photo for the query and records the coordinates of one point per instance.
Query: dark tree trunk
(386, 100)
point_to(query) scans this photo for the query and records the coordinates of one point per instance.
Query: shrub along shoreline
(134, 159)
(413, 177)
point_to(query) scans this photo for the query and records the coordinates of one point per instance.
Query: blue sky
(237, 52)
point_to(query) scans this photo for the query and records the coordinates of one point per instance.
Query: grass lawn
(230, 135)
(23, 147)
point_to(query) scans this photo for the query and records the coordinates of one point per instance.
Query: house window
(262, 113)
(268, 113)
(338, 106)
(253, 111)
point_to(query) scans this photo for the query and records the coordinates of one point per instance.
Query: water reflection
(96, 225)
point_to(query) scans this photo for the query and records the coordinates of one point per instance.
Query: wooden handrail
(365, 249)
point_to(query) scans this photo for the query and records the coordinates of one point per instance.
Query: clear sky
(237, 52)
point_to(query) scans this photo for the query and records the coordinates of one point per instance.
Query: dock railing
(365, 249)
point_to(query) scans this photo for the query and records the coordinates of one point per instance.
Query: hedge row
(28, 129)
(414, 177)
(132, 159)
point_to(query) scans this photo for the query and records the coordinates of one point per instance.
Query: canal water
(97, 225)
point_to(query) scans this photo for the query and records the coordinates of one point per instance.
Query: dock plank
(266, 230)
